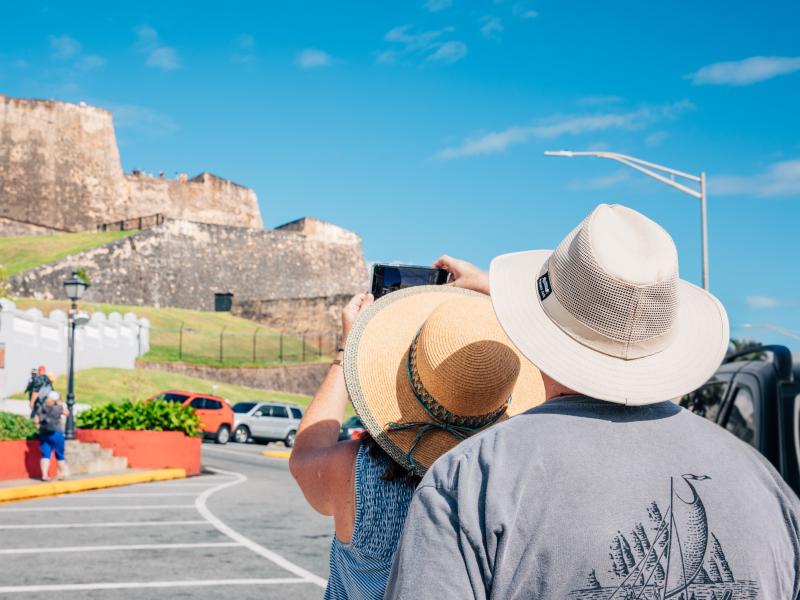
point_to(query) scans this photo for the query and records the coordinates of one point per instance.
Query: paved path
(243, 529)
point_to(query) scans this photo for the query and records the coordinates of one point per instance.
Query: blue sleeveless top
(360, 569)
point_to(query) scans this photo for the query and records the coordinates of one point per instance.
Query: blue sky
(421, 125)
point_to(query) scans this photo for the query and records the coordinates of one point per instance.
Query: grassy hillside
(95, 386)
(200, 339)
(19, 254)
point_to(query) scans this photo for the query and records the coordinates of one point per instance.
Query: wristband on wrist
(337, 361)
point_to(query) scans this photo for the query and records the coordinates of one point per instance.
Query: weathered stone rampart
(319, 314)
(183, 264)
(60, 169)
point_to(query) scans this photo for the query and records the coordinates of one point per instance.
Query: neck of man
(554, 389)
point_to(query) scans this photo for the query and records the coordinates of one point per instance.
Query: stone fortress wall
(60, 170)
(183, 264)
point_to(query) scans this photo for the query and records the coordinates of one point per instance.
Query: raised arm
(464, 274)
(322, 467)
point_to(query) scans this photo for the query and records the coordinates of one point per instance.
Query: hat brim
(376, 374)
(699, 345)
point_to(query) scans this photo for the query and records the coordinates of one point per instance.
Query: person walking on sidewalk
(40, 387)
(609, 489)
(51, 435)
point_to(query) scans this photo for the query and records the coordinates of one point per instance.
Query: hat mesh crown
(620, 310)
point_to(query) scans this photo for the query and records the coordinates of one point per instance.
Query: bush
(155, 415)
(15, 427)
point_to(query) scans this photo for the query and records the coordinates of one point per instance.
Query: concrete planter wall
(19, 459)
(149, 449)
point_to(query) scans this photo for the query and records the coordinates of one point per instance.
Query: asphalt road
(241, 529)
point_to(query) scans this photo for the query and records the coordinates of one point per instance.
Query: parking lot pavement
(242, 528)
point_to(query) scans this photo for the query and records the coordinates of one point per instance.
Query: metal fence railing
(259, 347)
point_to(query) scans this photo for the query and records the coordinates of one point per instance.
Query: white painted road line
(200, 505)
(117, 507)
(49, 549)
(135, 495)
(128, 585)
(114, 524)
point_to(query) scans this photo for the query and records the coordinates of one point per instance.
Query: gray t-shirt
(580, 499)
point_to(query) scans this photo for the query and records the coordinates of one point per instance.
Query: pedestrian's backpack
(48, 421)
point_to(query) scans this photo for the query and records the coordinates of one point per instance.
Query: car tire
(288, 441)
(241, 435)
(223, 435)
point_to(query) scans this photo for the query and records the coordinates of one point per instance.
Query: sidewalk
(27, 489)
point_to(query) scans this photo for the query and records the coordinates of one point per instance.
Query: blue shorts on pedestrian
(52, 441)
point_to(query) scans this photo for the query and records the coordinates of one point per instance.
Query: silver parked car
(266, 422)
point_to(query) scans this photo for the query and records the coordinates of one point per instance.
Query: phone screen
(390, 278)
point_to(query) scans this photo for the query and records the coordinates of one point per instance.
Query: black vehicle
(350, 428)
(755, 394)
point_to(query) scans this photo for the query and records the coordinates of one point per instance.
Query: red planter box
(149, 449)
(19, 459)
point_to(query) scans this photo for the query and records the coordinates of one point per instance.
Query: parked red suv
(216, 415)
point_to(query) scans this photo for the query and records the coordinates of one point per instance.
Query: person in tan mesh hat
(425, 368)
(608, 490)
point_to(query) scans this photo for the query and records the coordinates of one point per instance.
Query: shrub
(15, 427)
(155, 415)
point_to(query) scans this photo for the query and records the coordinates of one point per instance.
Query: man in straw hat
(608, 490)
(425, 368)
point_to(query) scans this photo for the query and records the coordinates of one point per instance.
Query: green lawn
(199, 343)
(19, 254)
(96, 386)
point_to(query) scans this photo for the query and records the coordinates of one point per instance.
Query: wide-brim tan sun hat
(606, 314)
(428, 366)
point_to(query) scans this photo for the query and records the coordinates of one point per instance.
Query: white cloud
(600, 183)
(63, 46)
(157, 55)
(245, 44)
(142, 119)
(557, 126)
(656, 138)
(437, 5)
(779, 179)
(312, 58)
(763, 302)
(521, 11)
(448, 53)
(745, 72)
(599, 100)
(426, 45)
(90, 61)
(492, 27)
(245, 41)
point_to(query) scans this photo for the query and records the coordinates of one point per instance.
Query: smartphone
(390, 278)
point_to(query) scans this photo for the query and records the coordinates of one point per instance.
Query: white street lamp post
(655, 171)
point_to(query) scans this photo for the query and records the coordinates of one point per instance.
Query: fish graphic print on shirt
(669, 553)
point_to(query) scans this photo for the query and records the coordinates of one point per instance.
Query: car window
(280, 412)
(243, 407)
(198, 403)
(707, 400)
(264, 411)
(297, 413)
(212, 404)
(170, 397)
(741, 421)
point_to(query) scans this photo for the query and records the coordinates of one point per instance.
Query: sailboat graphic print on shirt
(674, 556)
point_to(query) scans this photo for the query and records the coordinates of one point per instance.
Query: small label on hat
(543, 283)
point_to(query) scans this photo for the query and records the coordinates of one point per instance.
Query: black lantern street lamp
(74, 287)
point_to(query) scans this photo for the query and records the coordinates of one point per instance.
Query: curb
(277, 453)
(56, 488)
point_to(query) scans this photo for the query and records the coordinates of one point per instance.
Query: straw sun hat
(606, 314)
(428, 366)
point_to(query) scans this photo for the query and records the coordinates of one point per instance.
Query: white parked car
(266, 422)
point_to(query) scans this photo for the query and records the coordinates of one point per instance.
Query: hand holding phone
(390, 278)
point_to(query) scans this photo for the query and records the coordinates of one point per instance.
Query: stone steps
(87, 458)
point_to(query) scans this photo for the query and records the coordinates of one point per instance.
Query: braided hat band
(459, 426)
